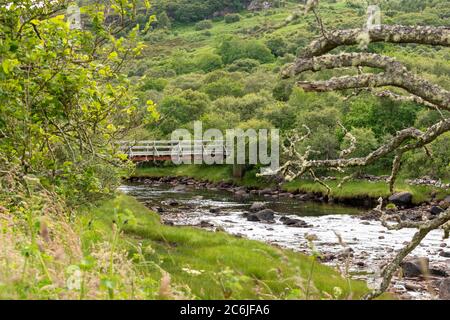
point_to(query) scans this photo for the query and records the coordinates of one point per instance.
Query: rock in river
(444, 289)
(295, 223)
(170, 202)
(415, 267)
(257, 206)
(179, 187)
(263, 215)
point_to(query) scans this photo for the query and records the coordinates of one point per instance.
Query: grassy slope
(231, 267)
(351, 189)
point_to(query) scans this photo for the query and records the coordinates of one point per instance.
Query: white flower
(74, 280)
(193, 272)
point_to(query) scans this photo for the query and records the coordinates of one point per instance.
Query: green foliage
(365, 142)
(232, 18)
(208, 62)
(260, 81)
(246, 107)
(277, 45)
(192, 81)
(180, 109)
(203, 25)
(222, 120)
(383, 116)
(195, 10)
(323, 126)
(280, 115)
(283, 90)
(437, 166)
(235, 49)
(223, 87)
(243, 65)
(63, 99)
(181, 62)
(157, 84)
(285, 33)
(163, 20)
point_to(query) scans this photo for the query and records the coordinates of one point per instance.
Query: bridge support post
(238, 171)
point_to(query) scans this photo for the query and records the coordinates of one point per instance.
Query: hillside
(225, 72)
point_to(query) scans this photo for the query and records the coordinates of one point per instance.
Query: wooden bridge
(166, 150)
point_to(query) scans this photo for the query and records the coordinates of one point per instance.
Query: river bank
(367, 244)
(359, 193)
(215, 265)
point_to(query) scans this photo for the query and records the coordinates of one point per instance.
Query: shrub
(232, 18)
(246, 107)
(222, 121)
(163, 20)
(224, 87)
(244, 65)
(180, 109)
(235, 49)
(188, 81)
(203, 25)
(209, 62)
(157, 84)
(283, 90)
(260, 80)
(281, 115)
(277, 45)
(181, 63)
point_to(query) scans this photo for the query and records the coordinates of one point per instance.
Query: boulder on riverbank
(435, 210)
(401, 198)
(206, 224)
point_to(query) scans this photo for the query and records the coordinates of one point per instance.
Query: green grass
(230, 267)
(213, 174)
(362, 189)
(350, 190)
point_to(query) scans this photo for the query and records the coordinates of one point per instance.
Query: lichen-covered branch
(404, 141)
(401, 98)
(424, 228)
(394, 74)
(427, 35)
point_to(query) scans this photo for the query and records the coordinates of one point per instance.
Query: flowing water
(337, 229)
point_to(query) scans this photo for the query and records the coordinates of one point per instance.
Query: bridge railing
(179, 148)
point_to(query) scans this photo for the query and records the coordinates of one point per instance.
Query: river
(369, 243)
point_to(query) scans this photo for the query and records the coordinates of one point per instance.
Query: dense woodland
(137, 70)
